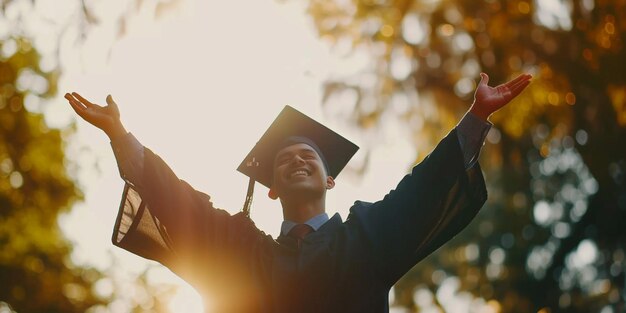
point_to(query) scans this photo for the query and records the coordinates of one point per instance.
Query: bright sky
(199, 87)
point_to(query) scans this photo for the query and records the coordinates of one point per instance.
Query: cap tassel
(250, 193)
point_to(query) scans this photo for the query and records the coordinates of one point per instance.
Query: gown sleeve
(428, 207)
(162, 218)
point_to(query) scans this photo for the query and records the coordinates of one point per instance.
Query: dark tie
(299, 231)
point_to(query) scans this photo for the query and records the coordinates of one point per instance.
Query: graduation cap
(291, 127)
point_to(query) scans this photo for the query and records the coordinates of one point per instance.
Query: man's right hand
(106, 118)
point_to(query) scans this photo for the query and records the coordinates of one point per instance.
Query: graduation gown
(343, 267)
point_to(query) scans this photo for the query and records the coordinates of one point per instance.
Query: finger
(519, 79)
(484, 79)
(515, 84)
(518, 89)
(83, 100)
(522, 84)
(77, 106)
(111, 102)
(74, 102)
(519, 83)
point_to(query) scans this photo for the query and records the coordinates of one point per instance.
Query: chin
(302, 190)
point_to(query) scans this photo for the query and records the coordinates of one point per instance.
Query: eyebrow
(290, 153)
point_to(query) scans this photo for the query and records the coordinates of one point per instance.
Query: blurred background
(199, 81)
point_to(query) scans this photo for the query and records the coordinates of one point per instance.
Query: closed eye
(305, 154)
(283, 160)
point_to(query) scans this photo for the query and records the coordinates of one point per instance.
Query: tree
(36, 185)
(35, 188)
(550, 236)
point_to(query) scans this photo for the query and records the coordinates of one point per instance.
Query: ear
(330, 182)
(272, 194)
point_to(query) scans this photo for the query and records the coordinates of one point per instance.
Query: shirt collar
(315, 222)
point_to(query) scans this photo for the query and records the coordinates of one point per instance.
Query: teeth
(299, 173)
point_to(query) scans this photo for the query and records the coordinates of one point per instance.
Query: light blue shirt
(315, 222)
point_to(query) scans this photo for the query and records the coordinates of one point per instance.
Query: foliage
(36, 272)
(551, 234)
(35, 188)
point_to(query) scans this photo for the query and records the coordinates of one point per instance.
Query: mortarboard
(289, 127)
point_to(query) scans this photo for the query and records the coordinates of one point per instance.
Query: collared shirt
(315, 222)
(128, 151)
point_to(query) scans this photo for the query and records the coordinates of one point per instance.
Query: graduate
(318, 263)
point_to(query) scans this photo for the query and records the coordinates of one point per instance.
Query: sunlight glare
(186, 299)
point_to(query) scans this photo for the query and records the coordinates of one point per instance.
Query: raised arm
(128, 151)
(474, 126)
(436, 200)
(162, 217)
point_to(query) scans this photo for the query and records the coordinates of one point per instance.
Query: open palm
(103, 117)
(490, 99)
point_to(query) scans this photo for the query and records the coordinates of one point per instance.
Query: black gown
(343, 267)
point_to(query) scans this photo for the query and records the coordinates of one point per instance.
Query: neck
(300, 212)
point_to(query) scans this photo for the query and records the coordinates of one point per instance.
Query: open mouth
(299, 173)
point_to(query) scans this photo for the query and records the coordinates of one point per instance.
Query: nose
(297, 160)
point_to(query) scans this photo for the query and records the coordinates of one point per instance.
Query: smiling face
(299, 171)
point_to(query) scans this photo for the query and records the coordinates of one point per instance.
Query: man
(317, 264)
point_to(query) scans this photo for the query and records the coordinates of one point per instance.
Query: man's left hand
(487, 99)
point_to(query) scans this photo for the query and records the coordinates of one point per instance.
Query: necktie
(299, 231)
